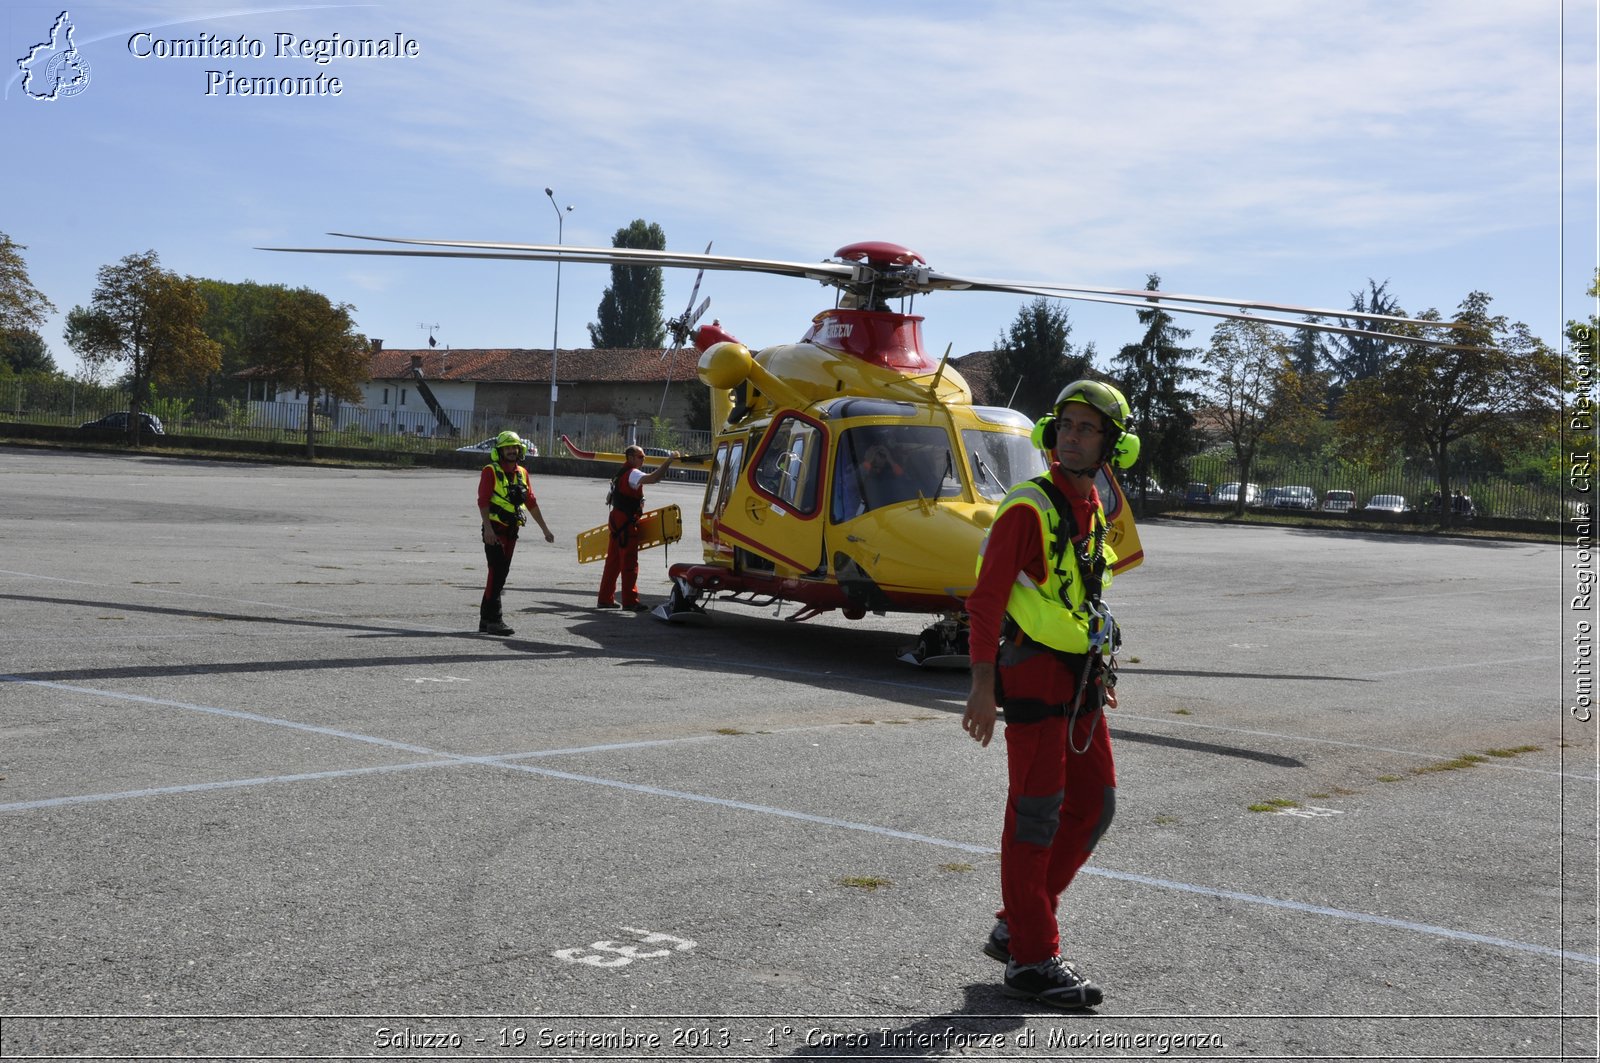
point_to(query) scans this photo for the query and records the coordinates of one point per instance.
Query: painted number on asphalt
(620, 954)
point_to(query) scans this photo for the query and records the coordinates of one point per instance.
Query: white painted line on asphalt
(449, 759)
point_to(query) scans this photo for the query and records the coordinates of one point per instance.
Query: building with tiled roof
(513, 384)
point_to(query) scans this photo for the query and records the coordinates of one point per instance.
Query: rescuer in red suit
(1042, 645)
(622, 554)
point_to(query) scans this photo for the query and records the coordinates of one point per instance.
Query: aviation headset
(1121, 447)
(507, 438)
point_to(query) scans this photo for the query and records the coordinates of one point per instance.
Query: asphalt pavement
(266, 793)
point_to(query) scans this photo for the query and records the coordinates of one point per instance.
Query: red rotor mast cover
(879, 253)
(891, 340)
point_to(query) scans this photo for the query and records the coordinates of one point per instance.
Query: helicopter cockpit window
(881, 465)
(788, 470)
(1000, 460)
(1002, 415)
(855, 406)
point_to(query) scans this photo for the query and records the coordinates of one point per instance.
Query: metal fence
(71, 403)
(1491, 496)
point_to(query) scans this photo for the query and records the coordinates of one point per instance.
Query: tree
(148, 318)
(630, 309)
(24, 351)
(22, 306)
(1153, 374)
(311, 344)
(1497, 380)
(1256, 390)
(236, 317)
(1357, 358)
(1036, 360)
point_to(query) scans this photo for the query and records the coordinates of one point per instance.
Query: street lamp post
(561, 217)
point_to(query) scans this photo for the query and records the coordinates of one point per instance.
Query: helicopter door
(719, 487)
(775, 509)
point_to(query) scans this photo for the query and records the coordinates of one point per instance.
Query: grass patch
(730, 731)
(1182, 712)
(1465, 760)
(955, 867)
(1389, 778)
(1164, 820)
(864, 882)
(1274, 804)
(1514, 751)
(1319, 797)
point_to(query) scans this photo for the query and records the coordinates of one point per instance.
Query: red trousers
(1058, 805)
(622, 559)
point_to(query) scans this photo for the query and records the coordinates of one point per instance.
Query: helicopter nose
(906, 551)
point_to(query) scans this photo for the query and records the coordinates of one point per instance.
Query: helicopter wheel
(942, 644)
(681, 605)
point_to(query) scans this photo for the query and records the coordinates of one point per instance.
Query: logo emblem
(55, 69)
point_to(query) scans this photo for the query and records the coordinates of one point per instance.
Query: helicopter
(850, 471)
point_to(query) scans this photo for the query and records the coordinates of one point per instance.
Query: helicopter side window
(1000, 460)
(787, 470)
(882, 465)
(730, 475)
(714, 484)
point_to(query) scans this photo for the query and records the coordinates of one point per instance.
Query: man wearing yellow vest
(1042, 645)
(503, 492)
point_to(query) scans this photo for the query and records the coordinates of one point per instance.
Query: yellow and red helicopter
(849, 470)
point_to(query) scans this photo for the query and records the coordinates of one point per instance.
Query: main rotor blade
(1144, 304)
(621, 256)
(949, 282)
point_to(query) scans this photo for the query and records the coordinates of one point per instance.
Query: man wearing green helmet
(503, 492)
(1042, 644)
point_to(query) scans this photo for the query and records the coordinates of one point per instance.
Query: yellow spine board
(657, 527)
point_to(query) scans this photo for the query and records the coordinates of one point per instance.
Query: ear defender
(1044, 432)
(1126, 451)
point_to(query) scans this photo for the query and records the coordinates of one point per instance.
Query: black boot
(489, 622)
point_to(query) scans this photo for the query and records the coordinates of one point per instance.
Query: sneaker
(494, 627)
(637, 607)
(998, 946)
(1054, 982)
(607, 605)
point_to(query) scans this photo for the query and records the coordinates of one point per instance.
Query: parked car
(1387, 504)
(1229, 494)
(488, 444)
(1338, 501)
(1294, 498)
(1197, 493)
(119, 422)
(1134, 486)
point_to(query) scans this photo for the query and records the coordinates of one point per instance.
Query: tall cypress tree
(1154, 373)
(1036, 361)
(630, 309)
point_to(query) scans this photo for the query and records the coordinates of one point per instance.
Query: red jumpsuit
(622, 554)
(499, 555)
(1058, 802)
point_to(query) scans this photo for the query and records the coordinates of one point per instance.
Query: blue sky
(1262, 149)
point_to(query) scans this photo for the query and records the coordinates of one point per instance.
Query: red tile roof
(518, 365)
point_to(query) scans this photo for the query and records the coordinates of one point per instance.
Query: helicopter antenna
(933, 388)
(1014, 391)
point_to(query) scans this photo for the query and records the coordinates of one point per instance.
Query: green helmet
(1121, 446)
(508, 438)
(1099, 395)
